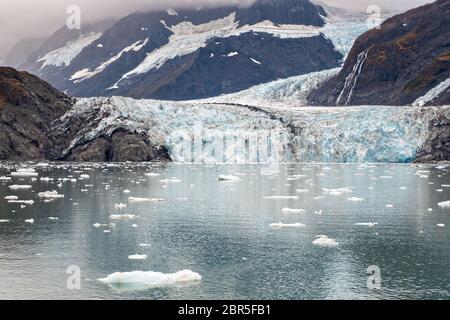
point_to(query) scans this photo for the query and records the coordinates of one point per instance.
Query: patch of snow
(62, 57)
(432, 94)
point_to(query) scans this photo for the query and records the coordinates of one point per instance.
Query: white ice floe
(389, 206)
(29, 221)
(337, 191)
(441, 225)
(444, 205)
(20, 187)
(324, 241)
(50, 195)
(281, 197)
(171, 180)
(152, 174)
(27, 202)
(144, 245)
(4, 221)
(53, 218)
(126, 191)
(24, 173)
(122, 217)
(355, 199)
(46, 179)
(120, 206)
(289, 210)
(137, 200)
(84, 176)
(138, 257)
(228, 178)
(281, 225)
(367, 224)
(11, 198)
(150, 278)
(302, 191)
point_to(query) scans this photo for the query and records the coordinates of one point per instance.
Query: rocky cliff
(406, 59)
(29, 110)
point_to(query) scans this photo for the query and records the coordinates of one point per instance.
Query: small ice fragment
(53, 218)
(138, 257)
(302, 190)
(151, 174)
(134, 225)
(144, 245)
(122, 217)
(289, 210)
(84, 176)
(281, 197)
(281, 225)
(367, 224)
(134, 199)
(324, 241)
(441, 225)
(29, 221)
(24, 173)
(120, 206)
(355, 199)
(50, 195)
(28, 202)
(11, 198)
(20, 187)
(228, 178)
(126, 191)
(389, 206)
(444, 205)
(4, 221)
(3, 178)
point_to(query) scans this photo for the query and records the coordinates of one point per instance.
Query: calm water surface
(221, 230)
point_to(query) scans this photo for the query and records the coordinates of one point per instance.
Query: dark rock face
(28, 106)
(30, 110)
(397, 64)
(437, 146)
(211, 71)
(191, 75)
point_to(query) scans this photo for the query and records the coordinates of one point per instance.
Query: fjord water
(221, 230)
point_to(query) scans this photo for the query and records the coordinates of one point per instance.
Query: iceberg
(444, 205)
(324, 241)
(150, 278)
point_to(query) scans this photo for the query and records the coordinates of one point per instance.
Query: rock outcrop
(29, 113)
(397, 64)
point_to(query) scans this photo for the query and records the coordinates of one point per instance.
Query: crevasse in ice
(315, 134)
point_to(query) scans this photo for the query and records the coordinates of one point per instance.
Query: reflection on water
(221, 230)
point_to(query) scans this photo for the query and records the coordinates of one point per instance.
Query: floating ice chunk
(150, 278)
(281, 225)
(4, 221)
(324, 241)
(84, 176)
(319, 212)
(136, 200)
(53, 218)
(134, 225)
(97, 225)
(144, 245)
(367, 224)
(444, 205)
(24, 173)
(445, 186)
(289, 210)
(20, 187)
(11, 198)
(255, 61)
(439, 190)
(441, 225)
(151, 174)
(126, 191)
(120, 206)
(29, 221)
(389, 206)
(430, 209)
(281, 197)
(232, 54)
(171, 12)
(28, 202)
(337, 192)
(46, 179)
(122, 217)
(138, 257)
(106, 231)
(302, 190)
(171, 180)
(228, 178)
(355, 199)
(50, 195)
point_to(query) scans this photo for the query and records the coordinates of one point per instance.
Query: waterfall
(352, 78)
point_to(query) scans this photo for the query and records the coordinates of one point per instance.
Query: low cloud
(21, 19)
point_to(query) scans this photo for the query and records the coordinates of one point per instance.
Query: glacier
(198, 131)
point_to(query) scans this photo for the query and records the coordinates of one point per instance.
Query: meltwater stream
(248, 238)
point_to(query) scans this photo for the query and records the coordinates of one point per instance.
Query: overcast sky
(38, 18)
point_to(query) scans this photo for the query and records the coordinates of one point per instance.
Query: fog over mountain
(23, 19)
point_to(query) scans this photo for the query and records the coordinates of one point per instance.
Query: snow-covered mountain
(191, 54)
